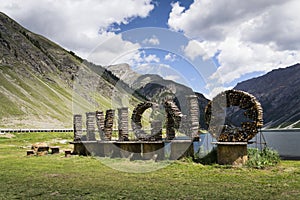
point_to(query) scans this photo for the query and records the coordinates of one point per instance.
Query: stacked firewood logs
(77, 126)
(90, 126)
(215, 116)
(123, 124)
(193, 116)
(100, 123)
(108, 124)
(174, 116)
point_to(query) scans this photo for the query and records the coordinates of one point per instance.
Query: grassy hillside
(42, 85)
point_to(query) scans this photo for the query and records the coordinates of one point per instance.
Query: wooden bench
(30, 152)
(67, 153)
(54, 149)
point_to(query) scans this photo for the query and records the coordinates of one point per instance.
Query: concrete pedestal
(153, 149)
(232, 153)
(126, 149)
(121, 149)
(181, 148)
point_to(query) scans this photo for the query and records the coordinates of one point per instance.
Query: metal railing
(34, 130)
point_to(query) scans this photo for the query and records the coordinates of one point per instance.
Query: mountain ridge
(279, 93)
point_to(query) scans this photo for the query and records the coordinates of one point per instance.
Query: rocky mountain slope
(279, 94)
(42, 84)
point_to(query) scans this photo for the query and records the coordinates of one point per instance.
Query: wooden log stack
(108, 124)
(173, 121)
(77, 126)
(90, 126)
(123, 124)
(100, 124)
(215, 116)
(193, 116)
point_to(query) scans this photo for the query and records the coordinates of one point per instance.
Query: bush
(262, 158)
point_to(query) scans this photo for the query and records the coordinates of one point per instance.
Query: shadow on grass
(209, 159)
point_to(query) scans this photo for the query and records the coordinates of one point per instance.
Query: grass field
(76, 177)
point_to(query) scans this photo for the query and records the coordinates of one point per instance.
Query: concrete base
(145, 150)
(181, 148)
(232, 153)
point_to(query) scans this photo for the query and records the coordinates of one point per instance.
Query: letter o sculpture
(173, 119)
(215, 113)
(136, 117)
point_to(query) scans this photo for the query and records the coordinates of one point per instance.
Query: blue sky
(207, 45)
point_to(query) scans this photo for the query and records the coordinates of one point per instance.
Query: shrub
(262, 158)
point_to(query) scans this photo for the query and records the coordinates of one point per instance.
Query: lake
(285, 141)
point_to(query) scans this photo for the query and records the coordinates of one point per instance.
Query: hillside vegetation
(42, 84)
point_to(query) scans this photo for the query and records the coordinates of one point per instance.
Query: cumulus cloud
(152, 41)
(280, 26)
(193, 49)
(77, 25)
(244, 36)
(170, 57)
(113, 50)
(213, 20)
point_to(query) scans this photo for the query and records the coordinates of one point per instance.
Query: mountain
(279, 94)
(42, 85)
(157, 89)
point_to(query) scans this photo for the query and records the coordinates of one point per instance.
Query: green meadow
(78, 177)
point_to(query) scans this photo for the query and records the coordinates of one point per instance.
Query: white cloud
(214, 20)
(152, 41)
(172, 77)
(193, 49)
(114, 50)
(138, 59)
(151, 58)
(170, 57)
(77, 25)
(246, 36)
(280, 26)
